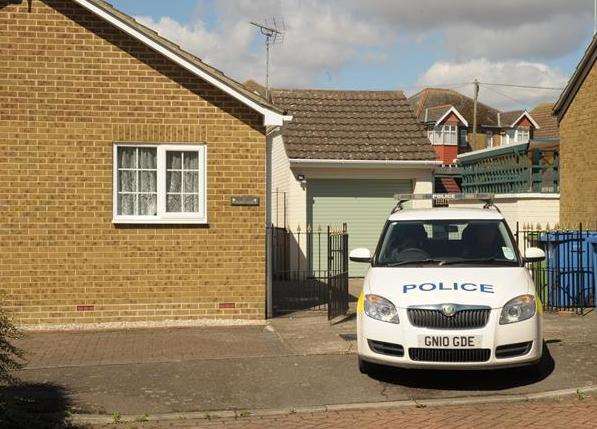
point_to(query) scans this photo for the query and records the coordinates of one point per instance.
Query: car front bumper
(492, 335)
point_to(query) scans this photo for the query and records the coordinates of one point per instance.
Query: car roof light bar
(487, 198)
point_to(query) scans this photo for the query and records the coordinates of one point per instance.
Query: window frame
(444, 134)
(163, 217)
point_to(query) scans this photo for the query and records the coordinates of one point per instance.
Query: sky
(386, 44)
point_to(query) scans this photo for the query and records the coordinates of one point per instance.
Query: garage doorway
(363, 204)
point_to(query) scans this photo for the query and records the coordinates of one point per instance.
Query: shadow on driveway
(33, 406)
(480, 380)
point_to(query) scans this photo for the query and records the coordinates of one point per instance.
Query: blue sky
(379, 44)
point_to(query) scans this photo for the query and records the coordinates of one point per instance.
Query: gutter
(360, 163)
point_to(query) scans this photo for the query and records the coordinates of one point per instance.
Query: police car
(447, 288)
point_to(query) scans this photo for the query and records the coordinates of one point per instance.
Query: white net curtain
(182, 182)
(138, 177)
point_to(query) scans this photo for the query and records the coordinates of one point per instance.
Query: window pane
(174, 160)
(126, 204)
(191, 182)
(148, 158)
(126, 157)
(191, 160)
(127, 181)
(148, 181)
(173, 203)
(148, 204)
(173, 181)
(191, 203)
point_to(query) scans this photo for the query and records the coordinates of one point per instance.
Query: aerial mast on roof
(273, 29)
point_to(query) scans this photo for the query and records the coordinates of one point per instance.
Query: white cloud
(318, 38)
(530, 29)
(447, 74)
(502, 41)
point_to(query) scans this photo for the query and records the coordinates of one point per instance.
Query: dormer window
(517, 135)
(443, 134)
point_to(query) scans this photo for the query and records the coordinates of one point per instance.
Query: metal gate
(309, 270)
(566, 278)
(337, 272)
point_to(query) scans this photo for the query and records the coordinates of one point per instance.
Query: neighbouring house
(448, 118)
(341, 160)
(524, 177)
(132, 174)
(576, 110)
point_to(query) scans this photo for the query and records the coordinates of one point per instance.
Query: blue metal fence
(566, 279)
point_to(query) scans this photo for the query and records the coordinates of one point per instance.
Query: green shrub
(10, 355)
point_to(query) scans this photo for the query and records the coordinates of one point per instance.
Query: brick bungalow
(122, 163)
(576, 111)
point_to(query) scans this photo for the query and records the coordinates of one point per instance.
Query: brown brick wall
(70, 86)
(578, 157)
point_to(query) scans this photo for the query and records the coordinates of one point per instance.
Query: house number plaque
(248, 200)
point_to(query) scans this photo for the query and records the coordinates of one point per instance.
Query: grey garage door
(363, 204)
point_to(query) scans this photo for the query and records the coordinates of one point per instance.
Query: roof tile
(354, 125)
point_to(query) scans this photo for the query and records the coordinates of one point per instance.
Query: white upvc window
(443, 134)
(516, 135)
(522, 135)
(160, 183)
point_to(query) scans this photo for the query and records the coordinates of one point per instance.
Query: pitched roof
(164, 46)
(433, 114)
(578, 77)
(432, 97)
(351, 125)
(548, 123)
(505, 119)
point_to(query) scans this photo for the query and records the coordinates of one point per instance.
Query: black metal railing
(566, 278)
(309, 269)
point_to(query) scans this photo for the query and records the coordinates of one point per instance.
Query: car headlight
(518, 309)
(380, 308)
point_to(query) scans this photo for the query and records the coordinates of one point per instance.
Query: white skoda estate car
(447, 288)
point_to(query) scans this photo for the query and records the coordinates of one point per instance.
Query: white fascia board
(357, 163)
(529, 117)
(270, 117)
(489, 150)
(456, 112)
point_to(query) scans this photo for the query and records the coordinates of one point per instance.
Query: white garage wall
(533, 208)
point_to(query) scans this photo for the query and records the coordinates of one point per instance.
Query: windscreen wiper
(415, 261)
(475, 261)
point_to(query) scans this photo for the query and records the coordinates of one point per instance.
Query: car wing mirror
(360, 255)
(534, 254)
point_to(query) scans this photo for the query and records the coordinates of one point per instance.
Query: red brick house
(132, 175)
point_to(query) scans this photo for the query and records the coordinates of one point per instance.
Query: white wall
(531, 208)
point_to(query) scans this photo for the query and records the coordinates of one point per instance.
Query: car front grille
(386, 348)
(449, 355)
(462, 319)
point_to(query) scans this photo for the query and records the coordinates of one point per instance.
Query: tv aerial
(273, 30)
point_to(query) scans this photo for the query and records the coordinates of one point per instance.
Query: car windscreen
(446, 242)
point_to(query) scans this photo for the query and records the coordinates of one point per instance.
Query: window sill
(182, 221)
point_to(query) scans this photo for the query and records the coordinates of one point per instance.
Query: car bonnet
(412, 286)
